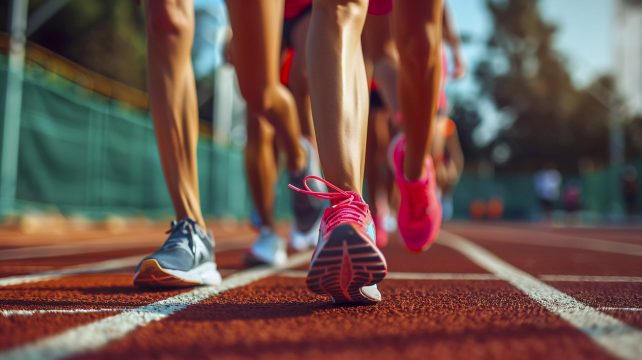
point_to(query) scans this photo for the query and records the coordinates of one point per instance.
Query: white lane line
(101, 266)
(97, 334)
(616, 337)
(549, 239)
(591, 278)
(72, 270)
(606, 308)
(8, 313)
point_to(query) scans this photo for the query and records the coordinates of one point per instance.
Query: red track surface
(474, 316)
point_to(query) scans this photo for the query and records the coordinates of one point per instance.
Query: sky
(583, 39)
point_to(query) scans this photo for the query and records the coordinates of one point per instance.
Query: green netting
(516, 192)
(83, 153)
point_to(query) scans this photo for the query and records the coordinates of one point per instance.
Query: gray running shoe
(185, 259)
(308, 210)
(268, 249)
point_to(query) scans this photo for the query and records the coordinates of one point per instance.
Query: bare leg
(261, 167)
(378, 139)
(256, 43)
(418, 37)
(379, 49)
(170, 29)
(339, 91)
(299, 78)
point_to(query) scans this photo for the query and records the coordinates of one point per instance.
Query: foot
(419, 216)
(307, 210)
(268, 249)
(346, 264)
(185, 259)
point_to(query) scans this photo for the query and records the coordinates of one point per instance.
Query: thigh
(417, 21)
(256, 43)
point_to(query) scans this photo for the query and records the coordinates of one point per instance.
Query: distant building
(628, 53)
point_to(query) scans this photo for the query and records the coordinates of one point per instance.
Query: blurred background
(549, 115)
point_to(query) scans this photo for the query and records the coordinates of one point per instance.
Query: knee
(170, 18)
(259, 101)
(259, 132)
(418, 45)
(343, 11)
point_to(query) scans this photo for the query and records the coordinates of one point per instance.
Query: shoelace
(347, 206)
(174, 241)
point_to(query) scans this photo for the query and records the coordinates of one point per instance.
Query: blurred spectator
(547, 189)
(630, 189)
(572, 199)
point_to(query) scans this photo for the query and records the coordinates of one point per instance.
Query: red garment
(294, 8)
(380, 7)
(286, 67)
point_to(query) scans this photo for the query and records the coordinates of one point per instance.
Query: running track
(501, 290)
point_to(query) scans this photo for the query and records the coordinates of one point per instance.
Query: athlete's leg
(172, 91)
(418, 38)
(338, 90)
(187, 256)
(346, 264)
(379, 49)
(261, 165)
(299, 77)
(376, 175)
(256, 45)
(257, 36)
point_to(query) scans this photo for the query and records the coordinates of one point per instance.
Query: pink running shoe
(346, 263)
(419, 216)
(382, 233)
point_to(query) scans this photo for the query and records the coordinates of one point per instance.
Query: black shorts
(288, 27)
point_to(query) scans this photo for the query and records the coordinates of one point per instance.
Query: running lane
(446, 303)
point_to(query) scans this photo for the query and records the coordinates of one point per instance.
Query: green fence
(601, 196)
(87, 154)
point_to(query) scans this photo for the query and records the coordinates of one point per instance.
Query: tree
(105, 36)
(525, 77)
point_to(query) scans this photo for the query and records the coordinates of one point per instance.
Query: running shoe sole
(152, 275)
(347, 262)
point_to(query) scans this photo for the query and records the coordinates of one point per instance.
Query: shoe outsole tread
(347, 262)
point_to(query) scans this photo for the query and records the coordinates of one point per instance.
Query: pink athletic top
(294, 7)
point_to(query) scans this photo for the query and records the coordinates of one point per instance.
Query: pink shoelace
(347, 206)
